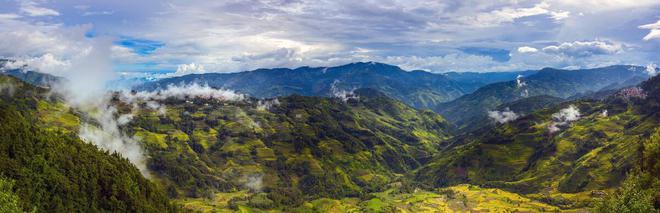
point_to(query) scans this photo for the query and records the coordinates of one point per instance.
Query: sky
(171, 38)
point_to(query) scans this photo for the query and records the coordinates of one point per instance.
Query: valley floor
(459, 198)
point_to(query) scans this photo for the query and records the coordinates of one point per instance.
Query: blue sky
(228, 36)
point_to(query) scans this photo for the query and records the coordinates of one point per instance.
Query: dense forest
(54, 171)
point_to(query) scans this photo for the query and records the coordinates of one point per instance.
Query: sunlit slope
(298, 148)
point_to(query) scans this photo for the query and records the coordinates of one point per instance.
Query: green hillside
(467, 111)
(364, 152)
(53, 171)
(595, 152)
(299, 149)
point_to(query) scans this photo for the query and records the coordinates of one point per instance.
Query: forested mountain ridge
(467, 110)
(54, 171)
(419, 89)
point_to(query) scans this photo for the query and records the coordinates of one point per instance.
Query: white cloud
(108, 136)
(97, 13)
(8, 16)
(182, 93)
(503, 116)
(520, 82)
(564, 117)
(603, 5)
(585, 48)
(32, 9)
(229, 36)
(652, 69)
(266, 104)
(20, 38)
(654, 32)
(527, 49)
(510, 14)
(341, 93)
(186, 69)
(46, 63)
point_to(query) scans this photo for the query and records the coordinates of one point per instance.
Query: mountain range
(417, 88)
(467, 111)
(353, 141)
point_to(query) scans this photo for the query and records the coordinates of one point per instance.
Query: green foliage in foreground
(56, 172)
(9, 201)
(634, 196)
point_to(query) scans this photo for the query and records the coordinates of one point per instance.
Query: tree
(631, 197)
(8, 200)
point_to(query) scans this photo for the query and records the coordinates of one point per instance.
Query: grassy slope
(301, 149)
(313, 154)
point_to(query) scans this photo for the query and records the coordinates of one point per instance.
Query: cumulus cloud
(584, 48)
(654, 32)
(563, 118)
(503, 116)
(186, 69)
(46, 63)
(527, 49)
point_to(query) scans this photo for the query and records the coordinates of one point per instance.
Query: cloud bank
(230, 36)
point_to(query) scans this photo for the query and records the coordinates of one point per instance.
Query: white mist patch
(254, 182)
(87, 73)
(153, 105)
(108, 136)
(603, 114)
(184, 92)
(520, 84)
(563, 118)
(652, 69)
(124, 119)
(265, 105)
(503, 116)
(7, 88)
(342, 94)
